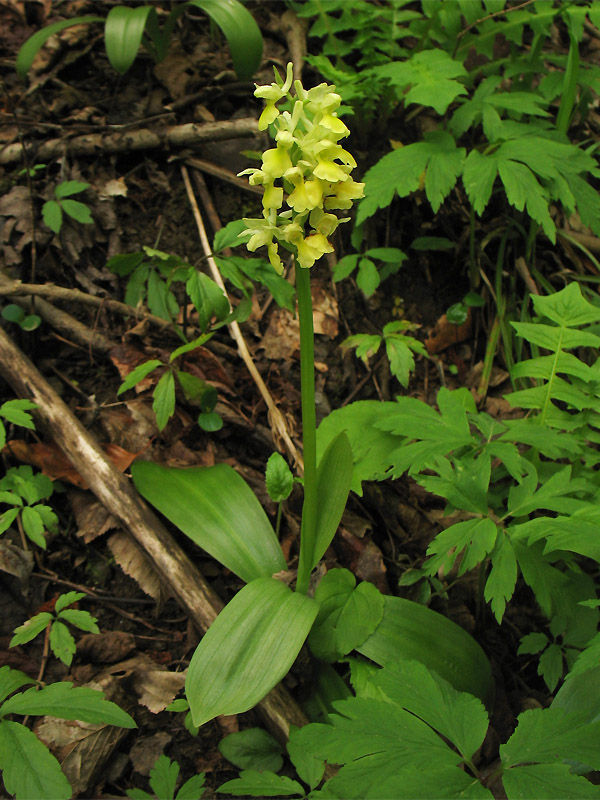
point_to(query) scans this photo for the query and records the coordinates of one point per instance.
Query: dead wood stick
(114, 490)
(275, 416)
(222, 173)
(126, 140)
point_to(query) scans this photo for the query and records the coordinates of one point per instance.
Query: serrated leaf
(67, 702)
(229, 236)
(478, 178)
(367, 277)
(252, 748)
(216, 508)
(532, 643)
(52, 215)
(163, 777)
(524, 191)
(430, 73)
(30, 629)
(28, 768)
(192, 789)
(33, 526)
(16, 411)
(551, 666)
(67, 599)
(163, 402)
(400, 352)
(501, 582)
(138, 374)
(278, 478)
(262, 784)
(80, 619)
(62, 643)
(547, 782)
(78, 211)
(476, 537)
(345, 267)
(550, 735)
(366, 344)
(10, 681)
(248, 649)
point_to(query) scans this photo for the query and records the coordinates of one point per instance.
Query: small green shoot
(163, 782)
(23, 489)
(16, 412)
(14, 313)
(61, 640)
(53, 210)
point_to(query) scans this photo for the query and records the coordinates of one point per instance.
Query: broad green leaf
(430, 73)
(78, 211)
(551, 666)
(544, 579)
(30, 629)
(553, 338)
(31, 47)
(366, 344)
(123, 33)
(532, 643)
(241, 31)
(10, 681)
(15, 411)
(80, 619)
(409, 630)
(447, 782)
(309, 768)
(216, 508)
(391, 255)
(208, 298)
(278, 478)
(248, 649)
(334, 477)
(52, 215)
(160, 300)
(67, 599)
(28, 768)
(163, 400)
(7, 518)
(67, 188)
(139, 794)
(210, 421)
(252, 748)
(163, 777)
(546, 782)
(125, 263)
(567, 307)
(478, 178)
(550, 735)
(476, 537)
(262, 784)
(367, 277)
(235, 269)
(189, 346)
(67, 702)
(345, 266)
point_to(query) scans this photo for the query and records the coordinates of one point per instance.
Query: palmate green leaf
(400, 352)
(409, 630)
(262, 784)
(546, 782)
(67, 702)
(163, 777)
(501, 582)
(28, 768)
(31, 47)
(545, 580)
(67, 599)
(16, 411)
(123, 31)
(463, 482)
(476, 537)
(80, 619)
(401, 170)
(458, 716)
(366, 344)
(431, 75)
(567, 307)
(555, 338)
(577, 532)
(347, 614)
(216, 508)
(192, 789)
(248, 649)
(252, 748)
(11, 680)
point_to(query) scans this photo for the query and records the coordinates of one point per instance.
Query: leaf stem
(309, 427)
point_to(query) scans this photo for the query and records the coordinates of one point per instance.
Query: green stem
(309, 428)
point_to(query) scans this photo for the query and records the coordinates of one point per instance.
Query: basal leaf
(123, 33)
(28, 768)
(216, 508)
(31, 47)
(248, 649)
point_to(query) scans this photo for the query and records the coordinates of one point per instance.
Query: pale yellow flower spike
(308, 165)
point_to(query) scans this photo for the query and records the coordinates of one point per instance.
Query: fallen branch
(115, 491)
(126, 140)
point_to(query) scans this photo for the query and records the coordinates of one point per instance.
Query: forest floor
(138, 198)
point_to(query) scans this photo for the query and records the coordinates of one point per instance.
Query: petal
(273, 197)
(269, 115)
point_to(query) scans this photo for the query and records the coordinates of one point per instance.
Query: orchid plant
(256, 638)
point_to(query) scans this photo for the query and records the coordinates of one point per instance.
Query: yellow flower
(275, 162)
(341, 195)
(276, 263)
(272, 93)
(334, 124)
(328, 170)
(311, 249)
(273, 197)
(306, 195)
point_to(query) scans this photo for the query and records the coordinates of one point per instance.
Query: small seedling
(23, 489)
(16, 412)
(61, 641)
(163, 780)
(52, 210)
(14, 313)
